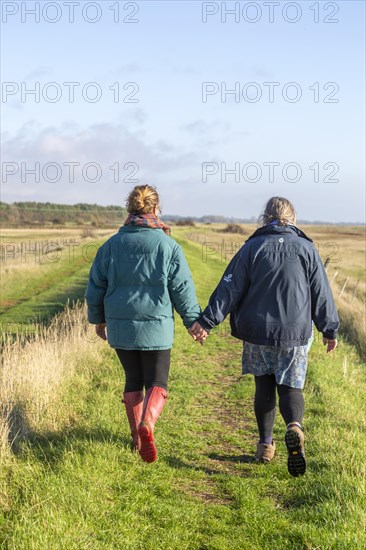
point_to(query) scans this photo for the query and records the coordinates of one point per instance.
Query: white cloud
(120, 154)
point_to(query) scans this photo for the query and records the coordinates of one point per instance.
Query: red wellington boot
(155, 399)
(134, 402)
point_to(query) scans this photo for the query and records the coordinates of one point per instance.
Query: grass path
(82, 488)
(41, 292)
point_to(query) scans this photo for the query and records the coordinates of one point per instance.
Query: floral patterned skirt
(287, 364)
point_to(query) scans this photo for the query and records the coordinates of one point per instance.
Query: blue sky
(169, 137)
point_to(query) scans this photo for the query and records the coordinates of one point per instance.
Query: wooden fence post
(334, 277)
(343, 287)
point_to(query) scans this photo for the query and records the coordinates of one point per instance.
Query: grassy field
(40, 270)
(73, 482)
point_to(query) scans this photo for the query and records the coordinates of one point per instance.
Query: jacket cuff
(204, 324)
(96, 318)
(330, 334)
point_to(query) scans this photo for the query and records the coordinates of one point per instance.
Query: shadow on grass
(177, 463)
(240, 459)
(49, 448)
(14, 419)
(222, 459)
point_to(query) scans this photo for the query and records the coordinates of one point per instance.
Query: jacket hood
(279, 229)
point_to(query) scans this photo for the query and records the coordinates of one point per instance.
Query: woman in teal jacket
(139, 276)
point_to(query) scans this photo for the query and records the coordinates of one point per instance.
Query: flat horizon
(226, 218)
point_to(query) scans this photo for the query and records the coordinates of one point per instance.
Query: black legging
(291, 403)
(145, 368)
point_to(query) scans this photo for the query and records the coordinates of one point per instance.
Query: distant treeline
(182, 220)
(186, 220)
(20, 214)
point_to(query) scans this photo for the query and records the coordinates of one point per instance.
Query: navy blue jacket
(274, 287)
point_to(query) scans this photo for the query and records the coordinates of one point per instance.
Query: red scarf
(147, 220)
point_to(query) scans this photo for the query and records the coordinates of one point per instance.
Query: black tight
(291, 403)
(145, 368)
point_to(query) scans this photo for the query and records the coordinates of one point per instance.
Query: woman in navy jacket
(274, 288)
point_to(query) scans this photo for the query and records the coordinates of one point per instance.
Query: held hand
(100, 329)
(331, 344)
(198, 333)
(200, 339)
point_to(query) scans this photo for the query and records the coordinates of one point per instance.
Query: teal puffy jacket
(137, 279)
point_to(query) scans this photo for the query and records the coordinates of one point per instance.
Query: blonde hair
(143, 199)
(280, 209)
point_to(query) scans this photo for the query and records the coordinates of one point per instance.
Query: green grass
(37, 294)
(81, 487)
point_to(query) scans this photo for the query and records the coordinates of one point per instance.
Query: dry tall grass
(352, 316)
(35, 371)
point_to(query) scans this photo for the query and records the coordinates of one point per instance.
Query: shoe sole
(296, 463)
(147, 448)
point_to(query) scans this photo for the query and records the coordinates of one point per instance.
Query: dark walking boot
(154, 402)
(294, 439)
